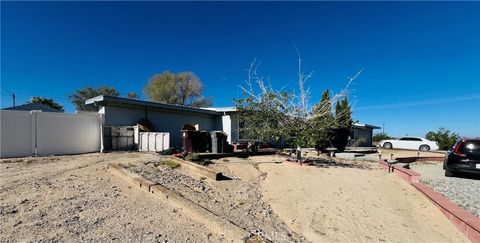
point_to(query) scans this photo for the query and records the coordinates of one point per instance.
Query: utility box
(219, 142)
(154, 141)
(120, 138)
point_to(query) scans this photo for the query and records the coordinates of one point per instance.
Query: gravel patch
(239, 201)
(465, 192)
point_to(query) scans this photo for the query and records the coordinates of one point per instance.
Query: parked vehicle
(464, 156)
(416, 143)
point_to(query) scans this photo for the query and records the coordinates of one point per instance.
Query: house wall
(363, 136)
(234, 128)
(163, 121)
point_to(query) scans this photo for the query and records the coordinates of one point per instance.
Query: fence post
(100, 119)
(34, 133)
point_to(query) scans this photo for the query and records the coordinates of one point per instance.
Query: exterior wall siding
(362, 137)
(163, 121)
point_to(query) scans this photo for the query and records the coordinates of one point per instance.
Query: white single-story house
(165, 117)
(171, 119)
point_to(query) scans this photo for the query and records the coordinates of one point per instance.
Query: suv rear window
(470, 146)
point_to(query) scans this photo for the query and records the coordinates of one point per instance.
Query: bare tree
(132, 95)
(275, 114)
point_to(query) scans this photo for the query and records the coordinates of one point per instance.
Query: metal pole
(13, 96)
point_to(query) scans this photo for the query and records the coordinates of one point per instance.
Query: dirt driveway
(75, 198)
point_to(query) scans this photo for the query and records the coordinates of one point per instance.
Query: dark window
(471, 146)
(410, 139)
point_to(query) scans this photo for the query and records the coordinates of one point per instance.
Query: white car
(416, 143)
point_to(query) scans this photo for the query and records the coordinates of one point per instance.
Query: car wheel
(448, 173)
(387, 145)
(424, 148)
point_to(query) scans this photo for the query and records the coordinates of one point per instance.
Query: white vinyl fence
(25, 133)
(154, 141)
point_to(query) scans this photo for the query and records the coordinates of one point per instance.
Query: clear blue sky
(421, 60)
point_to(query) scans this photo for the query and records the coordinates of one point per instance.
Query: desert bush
(377, 137)
(195, 158)
(170, 163)
(444, 137)
(171, 151)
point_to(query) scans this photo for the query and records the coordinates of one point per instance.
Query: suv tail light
(457, 149)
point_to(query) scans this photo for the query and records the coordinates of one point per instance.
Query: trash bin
(200, 142)
(187, 144)
(195, 141)
(219, 142)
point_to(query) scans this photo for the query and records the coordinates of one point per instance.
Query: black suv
(464, 156)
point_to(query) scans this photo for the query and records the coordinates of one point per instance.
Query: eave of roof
(366, 126)
(221, 109)
(124, 102)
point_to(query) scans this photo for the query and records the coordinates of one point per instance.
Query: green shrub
(377, 137)
(170, 163)
(171, 151)
(195, 158)
(444, 137)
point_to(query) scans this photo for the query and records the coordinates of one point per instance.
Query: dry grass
(170, 163)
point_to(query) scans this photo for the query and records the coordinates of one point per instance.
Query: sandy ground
(386, 153)
(348, 202)
(75, 198)
(381, 153)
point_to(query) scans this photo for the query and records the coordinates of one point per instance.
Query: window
(410, 139)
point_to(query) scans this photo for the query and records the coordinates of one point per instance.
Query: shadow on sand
(327, 163)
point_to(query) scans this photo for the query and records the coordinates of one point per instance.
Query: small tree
(183, 88)
(444, 137)
(47, 102)
(343, 123)
(279, 115)
(377, 137)
(322, 120)
(132, 95)
(265, 119)
(79, 97)
(343, 115)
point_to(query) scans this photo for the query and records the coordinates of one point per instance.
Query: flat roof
(221, 109)
(32, 107)
(103, 100)
(365, 125)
